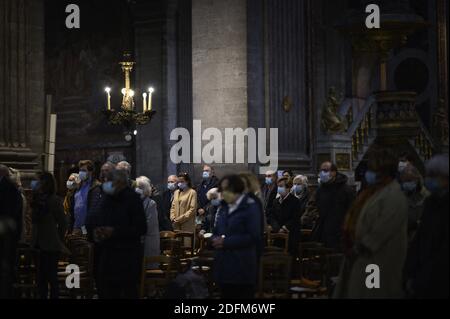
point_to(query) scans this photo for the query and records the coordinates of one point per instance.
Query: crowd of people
(398, 221)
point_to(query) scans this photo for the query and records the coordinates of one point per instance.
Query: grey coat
(151, 242)
(382, 230)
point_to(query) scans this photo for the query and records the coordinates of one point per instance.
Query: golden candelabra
(127, 115)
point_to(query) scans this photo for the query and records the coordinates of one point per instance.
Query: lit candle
(144, 97)
(108, 91)
(150, 90)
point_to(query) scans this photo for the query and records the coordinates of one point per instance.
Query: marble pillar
(22, 103)
(219, 68)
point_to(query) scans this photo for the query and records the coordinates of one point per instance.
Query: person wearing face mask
(236, 239)
(332, 199)
(209, 181)
(269, 190)
(211, 208)
(105, 170)
(72, 185)
(151, 241)
(300, 190)
(426, 269)
(184, 205)
(375, 232)
(412, 185)
(87, 199)
(284, 216)
(166, 203)
(119, 230)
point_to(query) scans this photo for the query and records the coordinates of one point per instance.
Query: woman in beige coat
(375, 235)
(184, 205)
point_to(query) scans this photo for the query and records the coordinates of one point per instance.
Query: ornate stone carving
(331, 121)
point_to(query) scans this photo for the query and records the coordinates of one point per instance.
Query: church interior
(91, 85)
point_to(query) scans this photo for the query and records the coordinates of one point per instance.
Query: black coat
(121, 255)
(11, 205)
(287, 213)
(210, 217)
(333, 201)
(203, 188)
(163, 207)
(427, 262)
(269, 192)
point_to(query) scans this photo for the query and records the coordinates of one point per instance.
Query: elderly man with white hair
(427, 264)
(214, 203)
(151, 241)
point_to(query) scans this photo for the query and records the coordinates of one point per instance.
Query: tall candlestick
(108, 90)
(144, 98)
(150, 90)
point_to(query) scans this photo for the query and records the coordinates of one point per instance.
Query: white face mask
(140, 192)
(71, 185)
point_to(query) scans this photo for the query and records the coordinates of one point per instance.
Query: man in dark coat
(426, 267)
(209, 181)
(11, 228)
(166, 203)
(333, 199)
(284, 215)
(269, 190)
(120, 231)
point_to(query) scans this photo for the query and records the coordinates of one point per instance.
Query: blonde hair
(77, 177)
(14, 175)
(143, 182)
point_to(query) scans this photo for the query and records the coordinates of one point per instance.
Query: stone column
(22, 116)
(219, 62)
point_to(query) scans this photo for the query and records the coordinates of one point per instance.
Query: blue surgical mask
(269, 181)
(281, 190)
(34, 185)
(171, 186)
(215, 202)
(432, 184)
(182, 186)
(108, 188)
(409, 187)
(83, 175)
(206, 175)
(325, 177)
(297, 189)
(371, 177)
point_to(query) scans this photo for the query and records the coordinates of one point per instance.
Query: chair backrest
(170, 247)
(166, 234)
(187, 240)
(275, 273)
(274, 238)
(82, 254)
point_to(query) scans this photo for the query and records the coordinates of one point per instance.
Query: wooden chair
(26, 273)
(187, 242)
(273, 239)
(82, 255)
(166, 269)
(275, 273)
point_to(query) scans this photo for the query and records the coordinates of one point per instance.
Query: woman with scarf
(49, 228)
(375, 233)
